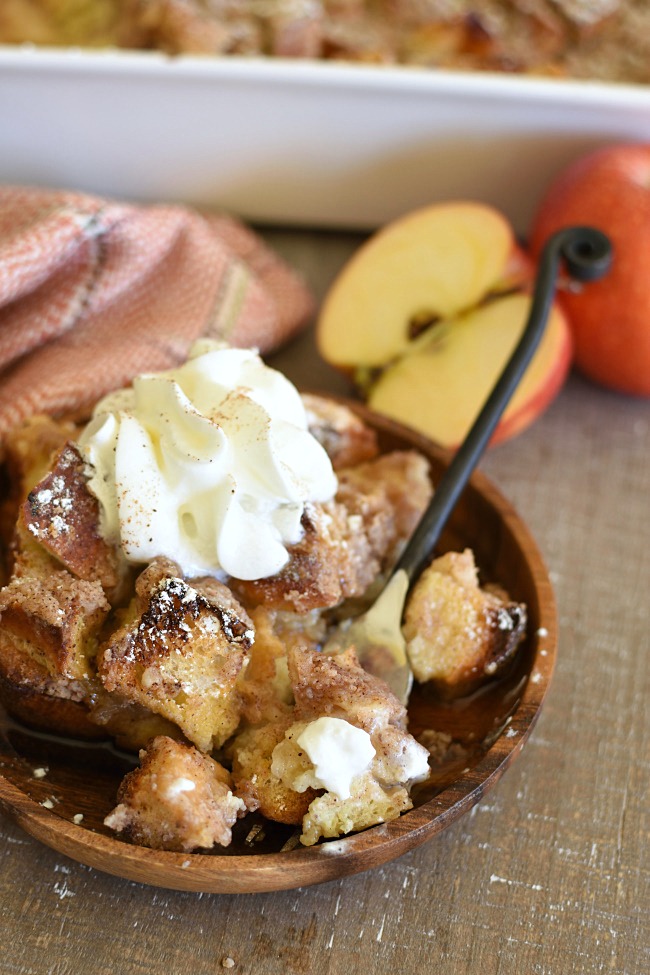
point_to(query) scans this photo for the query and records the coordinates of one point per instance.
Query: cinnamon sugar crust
(178, 799)
(335, 559)
(181, 654)
(63, 516)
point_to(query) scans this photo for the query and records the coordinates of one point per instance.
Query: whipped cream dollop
(339, 752)
(210, 464)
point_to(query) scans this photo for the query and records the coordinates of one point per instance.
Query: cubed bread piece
(458, 635)
(186, 27)
(346, 439)
(295, 30)
(358, 797)
(178, 799)
(398, 482)
(259, 787)
(273, 764)
(54, 621)
(63, 517)
(182, 654)
(333, 560)
(352, 34)
(370, 804)
(131, 726)
(45, 704)
(48, 638)
(29, 558)
(339, 687)
(265, 688)
(348, 541)
(26, 457)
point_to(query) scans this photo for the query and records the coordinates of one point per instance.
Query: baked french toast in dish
(594, 39)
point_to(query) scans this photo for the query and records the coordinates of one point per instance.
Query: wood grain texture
(549, 875)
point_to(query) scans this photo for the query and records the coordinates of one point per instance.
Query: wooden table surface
(549, 875)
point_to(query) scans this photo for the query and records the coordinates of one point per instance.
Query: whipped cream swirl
(338, 751)
(210, 464)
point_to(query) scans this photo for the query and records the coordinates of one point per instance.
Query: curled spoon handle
(586, 254)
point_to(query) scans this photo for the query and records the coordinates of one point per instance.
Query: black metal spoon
(586, 256)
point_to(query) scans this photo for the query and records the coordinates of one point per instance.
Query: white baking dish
(297, 143)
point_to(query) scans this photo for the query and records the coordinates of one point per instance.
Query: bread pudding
(172, 572)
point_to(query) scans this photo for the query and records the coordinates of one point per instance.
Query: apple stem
(587, 255)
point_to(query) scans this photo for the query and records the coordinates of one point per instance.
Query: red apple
(426, 314)
(610, 319)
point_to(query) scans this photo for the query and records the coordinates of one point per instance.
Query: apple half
(426, 314)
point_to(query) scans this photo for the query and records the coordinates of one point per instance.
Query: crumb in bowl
(218, 680)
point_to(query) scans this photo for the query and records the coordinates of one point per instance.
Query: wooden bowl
(489, 730)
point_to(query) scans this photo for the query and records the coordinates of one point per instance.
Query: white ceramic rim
(335, 74)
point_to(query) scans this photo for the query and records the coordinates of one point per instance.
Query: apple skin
(610, 319)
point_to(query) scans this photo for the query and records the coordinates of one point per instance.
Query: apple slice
(426, 313)
(440, 386)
